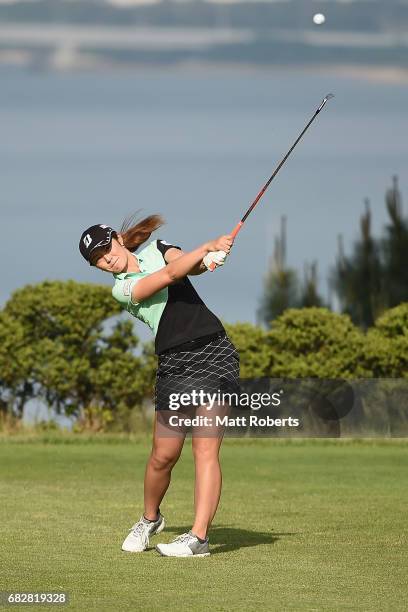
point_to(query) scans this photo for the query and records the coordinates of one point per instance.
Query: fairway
(302, 525)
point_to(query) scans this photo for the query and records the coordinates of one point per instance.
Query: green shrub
(386, 345)
(315, 342)
(254, 351)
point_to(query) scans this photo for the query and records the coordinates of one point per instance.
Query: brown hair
(134, 234)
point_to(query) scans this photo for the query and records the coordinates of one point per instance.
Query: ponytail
(135, 234)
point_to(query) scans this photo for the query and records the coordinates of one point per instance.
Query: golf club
(265, 187)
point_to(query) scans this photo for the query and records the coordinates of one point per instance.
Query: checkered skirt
(210, 368)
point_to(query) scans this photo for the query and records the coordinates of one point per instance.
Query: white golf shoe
(185, 545)
(138, 537)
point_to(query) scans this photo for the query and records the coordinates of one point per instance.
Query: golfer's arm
(198, 269)
(173, 254)
(174, 271)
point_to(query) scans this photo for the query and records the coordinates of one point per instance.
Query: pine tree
(395, 249)
(357, 279)
(309, 293)
(281, 286)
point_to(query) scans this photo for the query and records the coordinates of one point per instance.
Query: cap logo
(103, 226)
(87, 240)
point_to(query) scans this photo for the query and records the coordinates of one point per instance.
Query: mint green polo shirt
(175, 314)
(151, 309)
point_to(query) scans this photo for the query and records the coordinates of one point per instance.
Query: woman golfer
(192, 347)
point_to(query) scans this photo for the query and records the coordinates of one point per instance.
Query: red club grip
(236, 229)
(233, 234)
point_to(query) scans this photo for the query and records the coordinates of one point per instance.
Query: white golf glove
(214, 257)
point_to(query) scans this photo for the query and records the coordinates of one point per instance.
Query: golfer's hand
(223, 243)
(215, 258)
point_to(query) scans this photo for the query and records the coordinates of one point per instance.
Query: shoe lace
(184, 537)
(138, 528)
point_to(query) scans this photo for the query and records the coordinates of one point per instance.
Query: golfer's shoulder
(152, 250)
(163, 245)
(151, 258)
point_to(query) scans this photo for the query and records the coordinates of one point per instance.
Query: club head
(325, 99)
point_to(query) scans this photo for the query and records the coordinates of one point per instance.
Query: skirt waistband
(193, 344)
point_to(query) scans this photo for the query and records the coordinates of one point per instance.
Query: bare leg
(208, 478)
(164, 455)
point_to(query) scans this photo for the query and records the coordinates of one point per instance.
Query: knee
(162, 461)
(205, 452)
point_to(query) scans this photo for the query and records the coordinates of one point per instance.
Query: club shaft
(239, 225)
(279, 166)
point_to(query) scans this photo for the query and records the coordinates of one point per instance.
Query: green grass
(302, 525)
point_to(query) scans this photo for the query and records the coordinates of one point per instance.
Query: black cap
(94, 237)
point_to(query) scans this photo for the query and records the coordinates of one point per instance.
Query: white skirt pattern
(211, 368)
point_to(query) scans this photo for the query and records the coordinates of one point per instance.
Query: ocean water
(196, 146)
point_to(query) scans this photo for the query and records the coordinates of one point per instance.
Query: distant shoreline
(376, 74)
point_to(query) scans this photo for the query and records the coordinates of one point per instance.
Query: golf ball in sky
(319, 19)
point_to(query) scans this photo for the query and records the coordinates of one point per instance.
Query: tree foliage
(357, 279)
(282, 287)
(386, 347)
(309, 295)
(73, 352)
(314, 342)
(395, 249)
(63, 342)
(16, 362)
(253, 348)
(375, 276)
